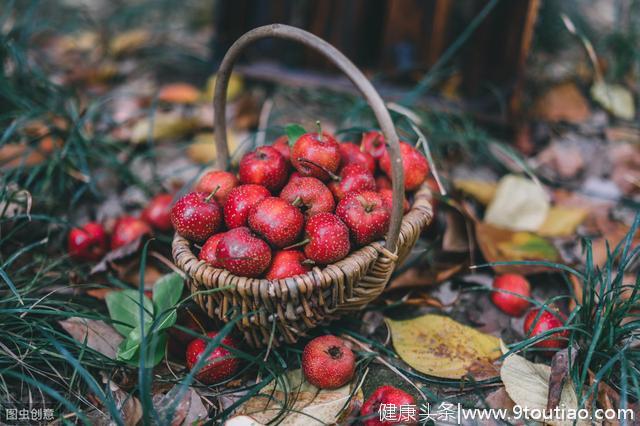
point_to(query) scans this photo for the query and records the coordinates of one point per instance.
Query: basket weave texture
(281, 311)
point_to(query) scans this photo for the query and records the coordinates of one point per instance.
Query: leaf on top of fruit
(528, 386)
(614, 98)
(294, 131)
(519, 204)
(482, 191)
(98, 335)
(441, 347)
(504, 245)
(306, 404)
(562, 221)
(166, 294)
(125, 310)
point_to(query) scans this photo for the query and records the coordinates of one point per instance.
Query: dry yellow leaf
(236, 85)
(129, 41)
(528, 386)
(203, 148)
(615, 98)
(307, 404)
(441, 347)
(562, 221)
(480, 190)
(165, 126)
(519, 204)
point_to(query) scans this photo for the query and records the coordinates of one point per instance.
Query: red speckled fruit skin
(208, 251)
(388, 395)
(264, 166)
(158, 212)
(546, 322)
(323, 152)
(328, 238)
(195, 218)
(383, 182)
(221, 364)
(240, 202)
(282, 146)
(276, 221)
(223, 181)
(328, 363)
(373, 143)
(415, 166)
(314, 195)
(365, 215)
(87, 243)
(242, 253)
(508, 303)
(287, 263)
(353, 178)
(387, 200)
(127, 230)
(350, 153)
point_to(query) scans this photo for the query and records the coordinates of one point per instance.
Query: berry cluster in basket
(293, 205)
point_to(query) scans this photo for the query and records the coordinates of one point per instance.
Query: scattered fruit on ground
(242, 253)
(414, 164)
(240, 202)
(196, 216)
(158, 212)
(220, 365)
(219, 181)
(87, 243)
(328, 363)
(316, 155)
(384, 396)
(547, 321)
(365, 215)
(276, 221)
(511, 304)
(308, 194)
(328, 239)
(287, 263)
(127, 230)
(264, 166)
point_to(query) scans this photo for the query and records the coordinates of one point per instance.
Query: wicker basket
(283, 310)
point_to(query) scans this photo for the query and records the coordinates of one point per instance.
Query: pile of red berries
(294, 206)
(91, 241)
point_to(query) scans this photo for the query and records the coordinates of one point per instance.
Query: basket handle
(346, 66)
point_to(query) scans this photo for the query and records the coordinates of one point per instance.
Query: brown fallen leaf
(179, 93)
(559, 373)
(563, 102)
(441, 347)
(162, 403)
(425, 277)
(98, 335)
(503, 245)
(129, 42)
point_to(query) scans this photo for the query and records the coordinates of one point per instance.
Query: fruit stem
(210, 196)
(333, 176)
(297, 202)
(298, 244)
(308, 262)
(319, 128)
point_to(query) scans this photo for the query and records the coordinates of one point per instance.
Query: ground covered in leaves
(98, 119)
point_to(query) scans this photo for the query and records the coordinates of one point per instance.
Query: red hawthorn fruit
(242, 253)
(328, 238)
(328, 363)
(220, 365)
(282, 146)
(276, 221)
(387, 200)
(389, 396)
(158, 212)
(373, 143)
(308, 194)
(365, 215)
(196, 216)
(88, 243)
(264, 166)
(350, 153)
(219, 181)
(316, 155)
(287, 263)
(547, 321)
(383, 182)
(353, 178)
(511, 304)
(240, 202)
(416, 167)
(127, 230)
(208, 251)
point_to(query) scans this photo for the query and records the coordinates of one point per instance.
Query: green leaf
(124, 308)
(129, 349)
(166, 294)
(294, 131)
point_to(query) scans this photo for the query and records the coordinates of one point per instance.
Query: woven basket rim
(420, 204)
